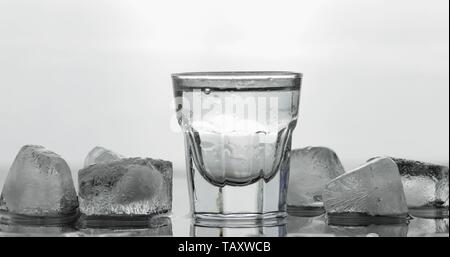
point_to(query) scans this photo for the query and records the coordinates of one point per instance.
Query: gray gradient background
(80, 73)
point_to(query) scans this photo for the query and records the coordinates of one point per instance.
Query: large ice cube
(425, 184)
(130, 186)
(101, 155)
(373, 189)
(427, 227)
(310, 169)
(39, 183)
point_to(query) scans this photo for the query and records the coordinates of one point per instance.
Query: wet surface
(292, 226)
(179, 223)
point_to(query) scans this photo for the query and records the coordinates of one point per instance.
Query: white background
(80, 73)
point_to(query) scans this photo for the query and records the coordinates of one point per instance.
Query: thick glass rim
(237, 79)
(238, 75)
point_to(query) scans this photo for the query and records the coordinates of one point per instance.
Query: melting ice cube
(425, 184)
(39, 183)
(373, 189)
(101, 155)
(130, 186)
(311, 168)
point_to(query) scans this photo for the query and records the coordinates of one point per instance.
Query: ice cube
(39, 183)
(311, 168)
(424, 227)
(425, 184)
(373, 189)
(130, 186)
(101, 155)
(308, 225)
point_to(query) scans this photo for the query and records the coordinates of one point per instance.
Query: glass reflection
(235, 230)
(392, 230)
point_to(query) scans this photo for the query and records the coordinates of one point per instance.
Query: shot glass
(237, 128)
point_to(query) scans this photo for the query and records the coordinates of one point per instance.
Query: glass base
(240, 219)
(262, 202)
(202, 230)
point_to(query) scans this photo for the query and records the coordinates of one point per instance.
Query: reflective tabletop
(179, 223)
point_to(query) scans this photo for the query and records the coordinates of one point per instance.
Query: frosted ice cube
(425, 184)
(311, 168)
(101, 155)
(39, 183)
(130, 186)
(373, 189)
